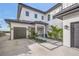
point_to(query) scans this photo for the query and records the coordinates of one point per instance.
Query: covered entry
(75, 34)
(19, 32)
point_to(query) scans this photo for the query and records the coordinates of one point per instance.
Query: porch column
(27, 32)
(44, 31)
(36, 28)
(11, 33)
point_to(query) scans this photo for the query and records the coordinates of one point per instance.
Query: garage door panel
(19, 32)
(75, 35)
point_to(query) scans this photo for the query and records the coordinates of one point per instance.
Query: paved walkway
(46, 49)
(14, 47)
(54, 42)
(37, 50)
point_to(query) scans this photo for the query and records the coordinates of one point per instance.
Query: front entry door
(75, 35)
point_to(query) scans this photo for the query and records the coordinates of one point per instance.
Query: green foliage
(55, 33)
(40, 40)
(61, 34)
(50, 34)
(33, 34)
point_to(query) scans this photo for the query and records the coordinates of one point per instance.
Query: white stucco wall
(32, 12)
(66, 32)
(56, 21)
(31, 15)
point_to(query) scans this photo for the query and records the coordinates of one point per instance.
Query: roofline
(54, 7)
(71, 9)
(20, 5)
(25, 22)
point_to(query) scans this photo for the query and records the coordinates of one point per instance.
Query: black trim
(25, 22)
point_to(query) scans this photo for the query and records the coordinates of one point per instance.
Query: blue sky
(9, 11)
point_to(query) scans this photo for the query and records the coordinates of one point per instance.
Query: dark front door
(19, 32)
(75, 34)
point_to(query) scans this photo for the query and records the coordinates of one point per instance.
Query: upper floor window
(35, 16)
(52, 17)
(48, 17)
(42, 17)
(27, 13)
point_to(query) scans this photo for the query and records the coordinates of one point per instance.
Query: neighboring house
(70, 17)
(29, 18)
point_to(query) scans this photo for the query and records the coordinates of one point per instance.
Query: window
(42, 17)
(48, 17)
(27, 13)
(35, 15)
(53, 17)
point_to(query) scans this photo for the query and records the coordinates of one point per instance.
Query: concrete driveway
(27, 47)
(14, 47)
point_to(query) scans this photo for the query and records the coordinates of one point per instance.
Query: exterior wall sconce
(66, 27)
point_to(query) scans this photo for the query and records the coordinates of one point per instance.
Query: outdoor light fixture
(66, 27)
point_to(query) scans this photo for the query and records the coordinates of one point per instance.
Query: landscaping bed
(38, 40)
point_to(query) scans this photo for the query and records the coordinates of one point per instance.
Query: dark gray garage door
(75, 34)
(19, 32)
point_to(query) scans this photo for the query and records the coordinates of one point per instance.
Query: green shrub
(32, 34)
(56, 33)
(40, 40)
(50, 34)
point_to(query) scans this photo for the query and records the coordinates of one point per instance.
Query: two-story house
(29, 18)
(64, 15)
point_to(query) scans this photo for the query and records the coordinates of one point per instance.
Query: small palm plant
(61, 34)
(55, 32)
(50, 34)
(33, 35)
